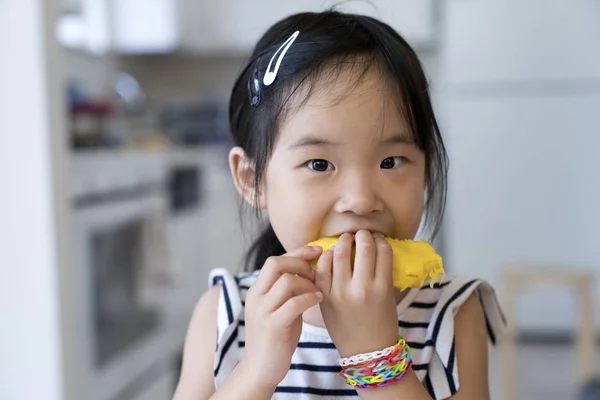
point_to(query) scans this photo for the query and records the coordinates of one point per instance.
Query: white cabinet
(524, 191)
(121, 26)
(145, 26)
(85, 25)
(519, 101)
(515, 40)
(225, 27)
(234, 26)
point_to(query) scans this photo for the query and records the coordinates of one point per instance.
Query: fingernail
(332, 248)
(377, 235)
(317, 248)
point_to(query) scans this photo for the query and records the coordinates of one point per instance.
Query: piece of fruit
(415, 261)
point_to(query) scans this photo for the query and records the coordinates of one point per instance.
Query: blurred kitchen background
(116, 197)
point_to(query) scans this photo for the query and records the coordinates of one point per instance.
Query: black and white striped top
(425, 319)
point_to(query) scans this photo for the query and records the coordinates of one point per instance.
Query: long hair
(330, 42)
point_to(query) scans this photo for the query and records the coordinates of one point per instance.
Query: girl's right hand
(284, 289)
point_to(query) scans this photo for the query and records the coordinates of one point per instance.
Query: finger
(366, 254)
(286, 287)
(384, 264)
(342, 261)
(294, 307)
(307, 253)
(292, 263)
(325, 272)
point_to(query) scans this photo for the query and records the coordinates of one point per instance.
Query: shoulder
(460, 315)
(459, 294)
(477, 324)
(236, 281)
(233, 290)
(214, 318)
(230, 329)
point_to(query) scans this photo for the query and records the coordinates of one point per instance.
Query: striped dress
(425, 319)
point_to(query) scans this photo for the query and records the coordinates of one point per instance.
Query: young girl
(335, 136)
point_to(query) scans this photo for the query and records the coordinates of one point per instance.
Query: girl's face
(343, 162)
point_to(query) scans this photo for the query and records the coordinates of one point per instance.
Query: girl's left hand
(359, 306)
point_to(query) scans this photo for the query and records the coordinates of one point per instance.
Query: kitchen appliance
(137, 286)
(185, 184)
(124, 272)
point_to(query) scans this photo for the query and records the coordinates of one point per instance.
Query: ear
(242, 172)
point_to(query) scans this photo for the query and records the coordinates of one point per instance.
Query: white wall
(30, 344)
(521, 112)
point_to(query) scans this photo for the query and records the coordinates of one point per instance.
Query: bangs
(349, 72)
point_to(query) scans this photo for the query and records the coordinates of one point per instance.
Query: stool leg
(586, 340)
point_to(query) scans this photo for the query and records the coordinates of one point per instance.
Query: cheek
(294, 211)
(409, 207)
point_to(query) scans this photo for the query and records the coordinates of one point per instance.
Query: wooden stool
(518, 281)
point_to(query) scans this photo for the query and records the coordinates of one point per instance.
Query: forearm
(240, 384)
(407, 388)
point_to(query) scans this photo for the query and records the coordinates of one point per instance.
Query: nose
(359, 194)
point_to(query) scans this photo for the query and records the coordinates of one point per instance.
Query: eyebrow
(311, 141)
(314, 141)
(400, 138)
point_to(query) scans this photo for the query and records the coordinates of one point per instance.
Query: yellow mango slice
(414, 261)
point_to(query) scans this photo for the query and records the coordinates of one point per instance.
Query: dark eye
(392, 162)
(319, 165)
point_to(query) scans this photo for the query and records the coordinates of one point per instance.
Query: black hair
(330, 42)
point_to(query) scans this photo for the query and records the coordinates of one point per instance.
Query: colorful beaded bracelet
(380, 371)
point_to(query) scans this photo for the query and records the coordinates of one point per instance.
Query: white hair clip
(270, 76)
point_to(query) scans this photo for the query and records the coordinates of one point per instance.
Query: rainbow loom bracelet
(381, 371)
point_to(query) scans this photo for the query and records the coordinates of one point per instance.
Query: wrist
(379, 368)
(254, 383)
(367, 346)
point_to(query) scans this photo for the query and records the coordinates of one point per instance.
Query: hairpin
(254, 86)
(270, 76)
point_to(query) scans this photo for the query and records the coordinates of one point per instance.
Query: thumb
(306, 253)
